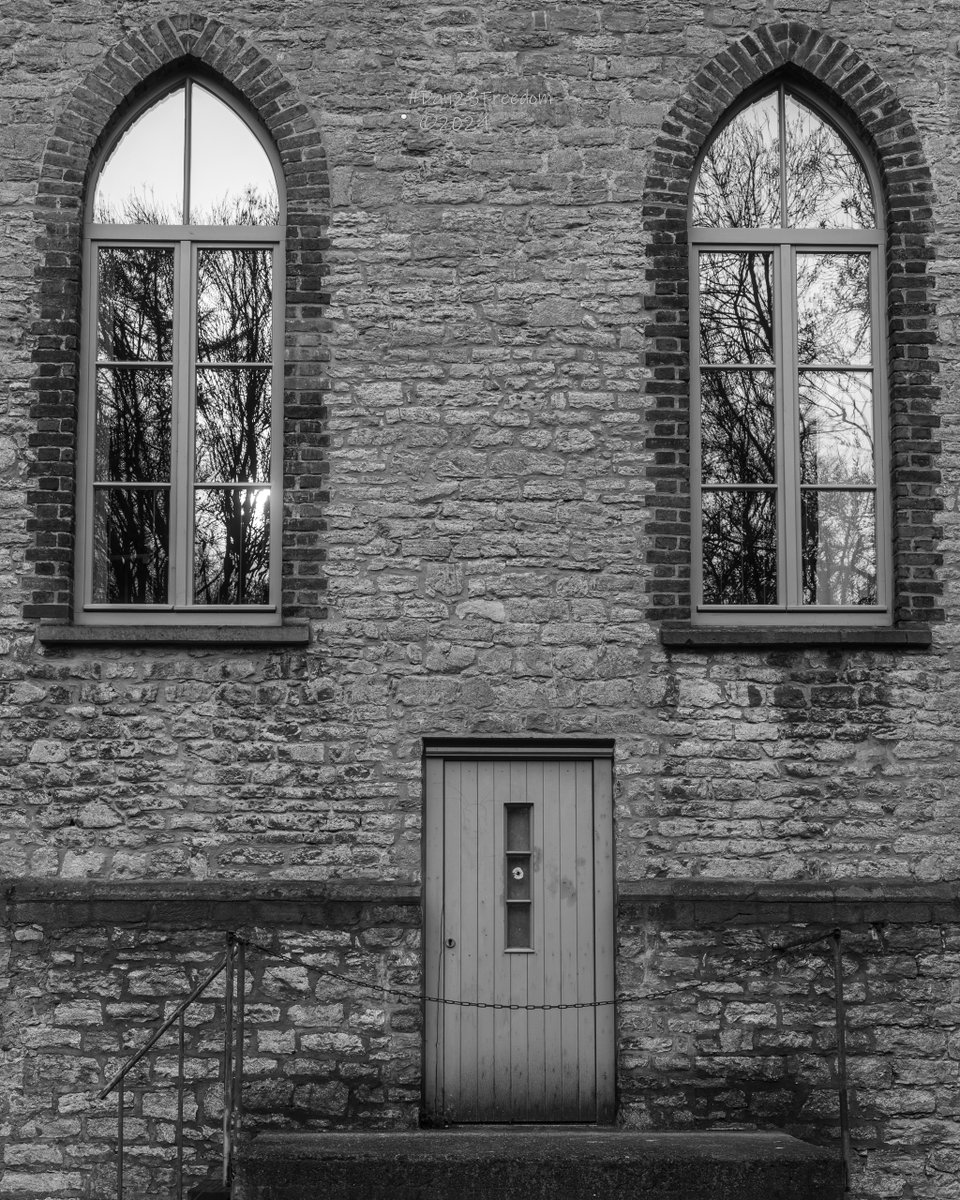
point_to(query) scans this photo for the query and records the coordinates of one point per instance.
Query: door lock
(451, 942)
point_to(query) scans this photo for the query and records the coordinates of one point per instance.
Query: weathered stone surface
(469, 477)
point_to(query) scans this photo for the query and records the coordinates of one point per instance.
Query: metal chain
(421, 997)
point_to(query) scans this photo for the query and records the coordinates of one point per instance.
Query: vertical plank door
(519, 911)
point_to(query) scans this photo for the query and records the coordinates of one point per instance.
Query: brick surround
(791, 49)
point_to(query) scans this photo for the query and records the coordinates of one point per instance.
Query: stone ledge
(57, 633)
(894, 889)
(197, 904)
(772, 637)
(746, 902)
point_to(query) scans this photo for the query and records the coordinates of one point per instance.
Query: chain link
(421, 997)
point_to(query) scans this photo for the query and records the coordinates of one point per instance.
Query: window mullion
(182, 465)
(782, 127)
(789, 422)
(881, 436)
(278, 281)
(187, 149)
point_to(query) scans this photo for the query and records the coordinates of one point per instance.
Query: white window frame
(186, 241)
(784, 244)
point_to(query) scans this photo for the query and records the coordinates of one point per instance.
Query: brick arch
(94, 110)
(851, 87)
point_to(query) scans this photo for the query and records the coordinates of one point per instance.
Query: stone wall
(473, 390)
(474, 370)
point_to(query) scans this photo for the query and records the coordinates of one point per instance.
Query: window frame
(785, 243)
(187, 241)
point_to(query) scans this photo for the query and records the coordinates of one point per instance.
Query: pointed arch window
(180, 450)
(788, 382)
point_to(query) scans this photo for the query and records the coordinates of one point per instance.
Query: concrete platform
(534, 1163)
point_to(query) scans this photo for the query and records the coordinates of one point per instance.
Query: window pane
(739, 547)
(739, 182)
(836, 427)
(518, 927)
(518, 826)
(133, 424)
(234, 306)
(231, 561)
(135, 314)
(833, 309)
(737, 430)
(827, 187)
(142, 180)
(839, 548)
(231, 178)
(233, 425)
(130, 539)
(736, 307)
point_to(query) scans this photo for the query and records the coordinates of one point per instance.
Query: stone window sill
(55, 633)
(788, 638)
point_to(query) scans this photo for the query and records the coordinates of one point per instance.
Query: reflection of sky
(147, 162)
(226, 157)
(226, 161)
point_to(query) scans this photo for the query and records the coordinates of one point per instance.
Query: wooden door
(519, 911)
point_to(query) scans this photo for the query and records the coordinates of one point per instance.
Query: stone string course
(472, 393)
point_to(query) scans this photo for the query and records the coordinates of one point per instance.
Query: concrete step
(534, 1163)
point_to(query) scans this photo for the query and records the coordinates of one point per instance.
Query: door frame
(601, 752)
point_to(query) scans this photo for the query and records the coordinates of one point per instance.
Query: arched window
(788, 375)
(179, 475)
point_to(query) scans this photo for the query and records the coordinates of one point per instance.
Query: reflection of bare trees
(739, 182)
(141, 206)
(737, 427)
(231, 546)
(251, 206)
(839, 547)
(130, 538)
(135, 316)
(836, 427)
(739, 547)
(231, 430)
(736, 307)
(833, 308)
(826, 185)
(233, 425)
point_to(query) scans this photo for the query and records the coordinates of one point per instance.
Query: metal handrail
(233, 963)
(158, 1034)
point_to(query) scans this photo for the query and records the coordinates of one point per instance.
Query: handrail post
(841, 1057)
(120, 1141)
(241, 1014)
(180, 1055)
(228, 1059)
